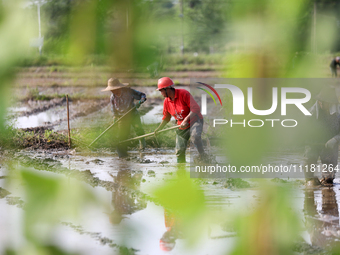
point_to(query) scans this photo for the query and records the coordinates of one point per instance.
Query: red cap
(166, 246)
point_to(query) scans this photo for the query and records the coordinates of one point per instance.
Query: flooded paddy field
(121, 208)
(128, 215)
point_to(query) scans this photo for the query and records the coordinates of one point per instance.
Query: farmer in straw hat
(324, 138)
(122, 100)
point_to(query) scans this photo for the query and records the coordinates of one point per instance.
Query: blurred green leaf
(186, 200)
(273, 225)
(49, 199)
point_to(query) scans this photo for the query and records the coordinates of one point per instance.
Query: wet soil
(42, 105)
(38, 139)
(80, 104)
(37, 116)
(78, 107)
(84, 114)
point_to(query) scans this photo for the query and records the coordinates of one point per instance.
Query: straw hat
(114, 83)
(328, 94)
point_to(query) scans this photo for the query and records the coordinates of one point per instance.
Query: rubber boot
(327, 179)
(122, 151)
(312, 182)
(327, 182)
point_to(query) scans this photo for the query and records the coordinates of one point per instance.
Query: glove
(331, 143)
(143, 99)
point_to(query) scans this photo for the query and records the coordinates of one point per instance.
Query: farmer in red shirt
(180, 104)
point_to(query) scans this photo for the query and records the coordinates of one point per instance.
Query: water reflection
(153, 116)
(36, 120)
(322, 217)
(173, 217)
(124, 200)
(172, 233)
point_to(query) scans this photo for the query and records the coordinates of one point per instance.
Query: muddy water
(81, 111)
(128, 220)
(144, 220)
(125, 219)
(11, 224)
(37, 120)
(103, 119)
(321, 210)
(99, 118)
(153, 116)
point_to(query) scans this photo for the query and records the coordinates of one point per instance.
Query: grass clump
(236, 183)
(37, 138)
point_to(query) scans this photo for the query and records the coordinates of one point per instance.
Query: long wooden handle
(111, 126)
(147, 135)
(68, 122)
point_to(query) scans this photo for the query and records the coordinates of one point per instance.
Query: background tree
(208, 23)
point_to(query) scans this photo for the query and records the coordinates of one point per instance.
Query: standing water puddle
(154, 116)
(34, 120)
(37, 120)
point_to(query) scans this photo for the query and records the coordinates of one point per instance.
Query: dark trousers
(124, 130)
(182, 137)
(334, 72)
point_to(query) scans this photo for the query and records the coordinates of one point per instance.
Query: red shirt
(181, 106)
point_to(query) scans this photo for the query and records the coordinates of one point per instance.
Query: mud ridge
(40, 106)
(102, 240)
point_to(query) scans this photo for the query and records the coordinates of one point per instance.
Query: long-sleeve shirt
(183, 104)
(123, 103)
